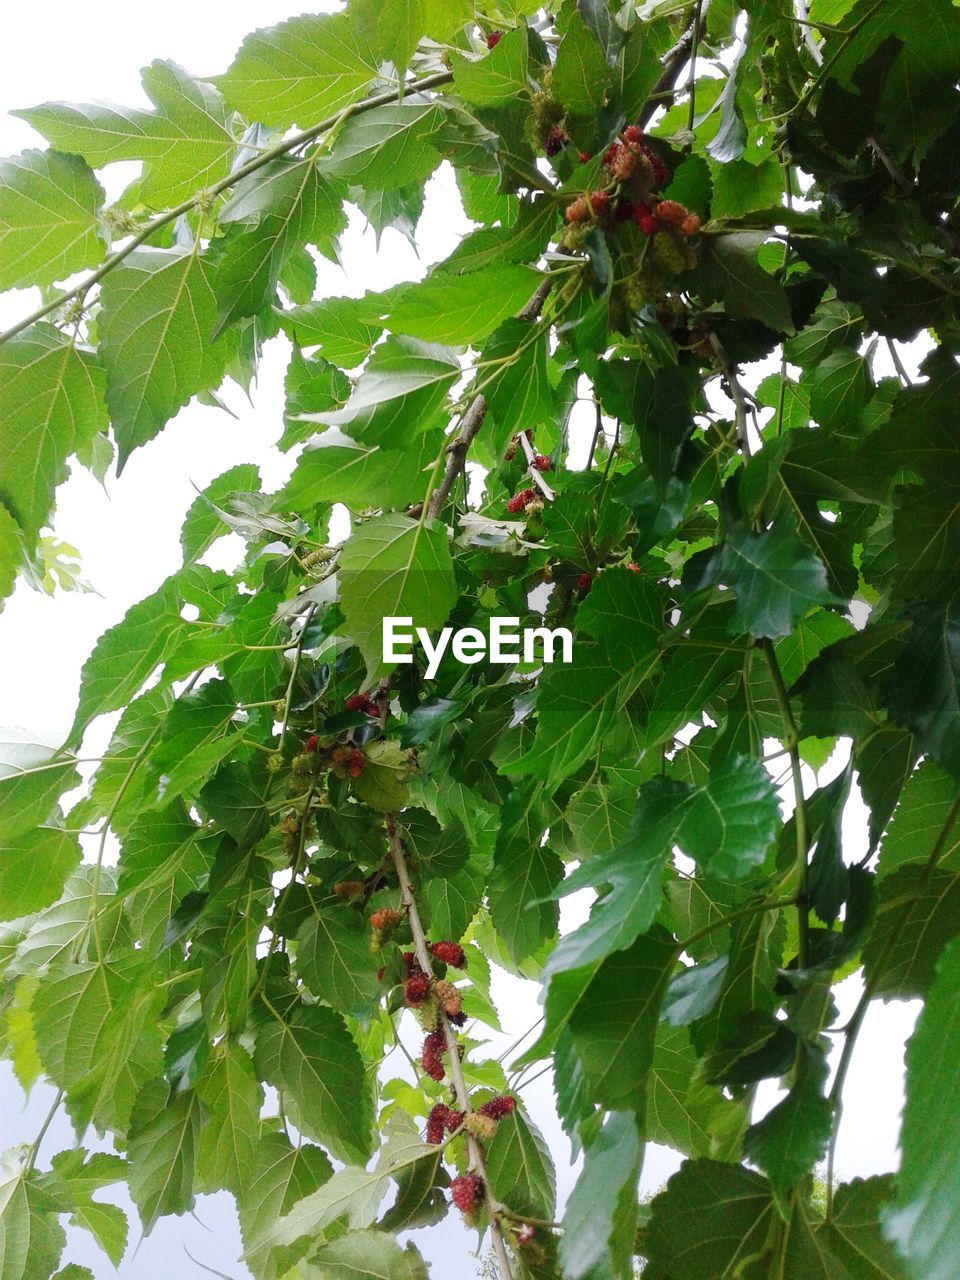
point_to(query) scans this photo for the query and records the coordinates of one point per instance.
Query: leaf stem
(791, 738)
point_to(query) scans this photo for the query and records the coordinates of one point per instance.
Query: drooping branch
(425, 960)
(207, 194)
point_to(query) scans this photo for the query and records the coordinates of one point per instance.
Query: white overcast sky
(127, 535)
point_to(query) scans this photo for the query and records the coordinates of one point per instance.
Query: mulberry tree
(658, 396)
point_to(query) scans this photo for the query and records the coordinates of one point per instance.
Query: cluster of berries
(442, 1119)
(494, 38)
(521, 501)
(431, 1056)
(342, 759)
(347, 762)
(466, 1192)
(362, 702)
(383, 925)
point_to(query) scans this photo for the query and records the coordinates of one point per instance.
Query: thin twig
(737, 393)
(535, 475)
(425, 960)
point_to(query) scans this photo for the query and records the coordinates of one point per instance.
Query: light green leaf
(74, 1176)
(315, 1060)
(162, 1152)
(203, 525)
(397, 394)
(275, 212)
(49, 228)
(371, 1254)
(918, 820)
(31, 1238)
(392, 566)
(922, 1221)
(33, 870)
(335, 468)
(228, 1142)
(386, 148)
(31, 781)
(299, 71)
(278, 1177)
(525, 874)
(581, 74)
(335, 326)
(458, 310)
(334, 961)
(51, 405)
(159, 309)
(186, 143)
(126, 654)
(498, 76)
(10, 558)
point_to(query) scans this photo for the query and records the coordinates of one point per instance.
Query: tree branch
(425, 960)
(271, 153)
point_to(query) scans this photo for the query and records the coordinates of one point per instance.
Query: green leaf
(51, 405)
(520, 1170)
(49, 225)
(372, 1254)
(33, 870)
(519, 390)
(579, 701)
(203, 525)
(456, 309)
(840, 387)
(525, 874)
(31, 781)
(273, 213)
(711, 1220)
(855, 1233)
(730, 274)
(694, 674)
(299, 71)
(314, 1059)
(10, 558)
(73, 1177)
(498, 76)
(278, 1177)
(386, 148)
(31, 1238)
(633, 870)
(580, 74)
(159, 309)
(353, 1193)
(682, 1111)
(599, 1223)
(97, 1034)
(693, 992)
(793, 1136)
(775, 577)
(333, 958)
(917, 916)
(922, 814)
(162, 1152)
(922, 1221)
(335, 325)
(731, 822)
(614, 1024)
(335, 468)
(186, 143)
(126, 654)
(924, 689)
(228, 1142)
(397, 394)
(392, 566)
(740, 187)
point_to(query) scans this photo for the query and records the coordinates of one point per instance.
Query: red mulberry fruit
(542, 463)
(432, 1057)
(498, 1107)
(494, 38)
(416, 989)
(467, 1193)
(519, 501)
(450, 953)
